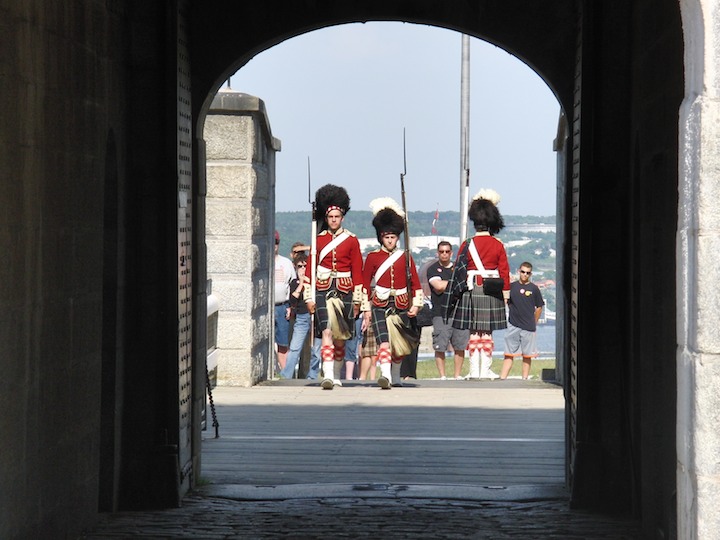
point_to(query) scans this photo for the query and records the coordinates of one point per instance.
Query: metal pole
(313, 256)
(464, 135)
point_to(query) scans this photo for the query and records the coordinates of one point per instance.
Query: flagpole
(313, 257)
(464, 135)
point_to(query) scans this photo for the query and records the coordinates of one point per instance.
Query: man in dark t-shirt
(524, 308)
(444, 335)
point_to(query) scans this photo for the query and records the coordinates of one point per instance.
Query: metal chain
(215, 423)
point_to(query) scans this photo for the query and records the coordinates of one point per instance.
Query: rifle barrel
(408, 274)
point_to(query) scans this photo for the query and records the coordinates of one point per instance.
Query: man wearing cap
(284, 274)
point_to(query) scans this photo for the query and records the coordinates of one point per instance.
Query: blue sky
(343, 95)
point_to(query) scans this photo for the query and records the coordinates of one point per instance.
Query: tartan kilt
(369, 345)
(476, 311)
(321, 312)
(379, 321)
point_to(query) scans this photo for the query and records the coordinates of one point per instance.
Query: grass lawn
(426, 369)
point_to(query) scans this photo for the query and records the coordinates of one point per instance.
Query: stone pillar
(698, 302)
(240, 223)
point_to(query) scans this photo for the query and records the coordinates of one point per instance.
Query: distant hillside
(295, 226)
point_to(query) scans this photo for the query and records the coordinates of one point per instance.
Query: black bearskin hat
(388, 217)
(330, 197)
(484, 212)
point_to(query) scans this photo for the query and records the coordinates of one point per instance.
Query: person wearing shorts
(524, 309)
(444, 335)
(368, 355)
(284, 274)
(352, 349)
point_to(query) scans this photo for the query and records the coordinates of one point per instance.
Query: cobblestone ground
(203, 517)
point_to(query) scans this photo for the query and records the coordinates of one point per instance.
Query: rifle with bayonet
(405, 220)
(408, 274)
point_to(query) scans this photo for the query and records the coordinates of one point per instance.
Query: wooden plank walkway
(481, 433)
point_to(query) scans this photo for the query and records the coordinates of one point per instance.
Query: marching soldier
(337, 274)
(394, 300)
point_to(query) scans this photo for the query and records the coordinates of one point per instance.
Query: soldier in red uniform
(481, 263)
(337, 270)
(393, 300)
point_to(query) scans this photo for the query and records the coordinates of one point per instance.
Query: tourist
(524, 309)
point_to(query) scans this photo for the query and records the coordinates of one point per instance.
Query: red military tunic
(343, 262)
(492, 255)
(392, 282)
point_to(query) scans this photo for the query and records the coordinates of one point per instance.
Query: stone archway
(698, 352)
(646, 228)
(624, 140)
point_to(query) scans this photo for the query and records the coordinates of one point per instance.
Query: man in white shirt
(284, 274)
